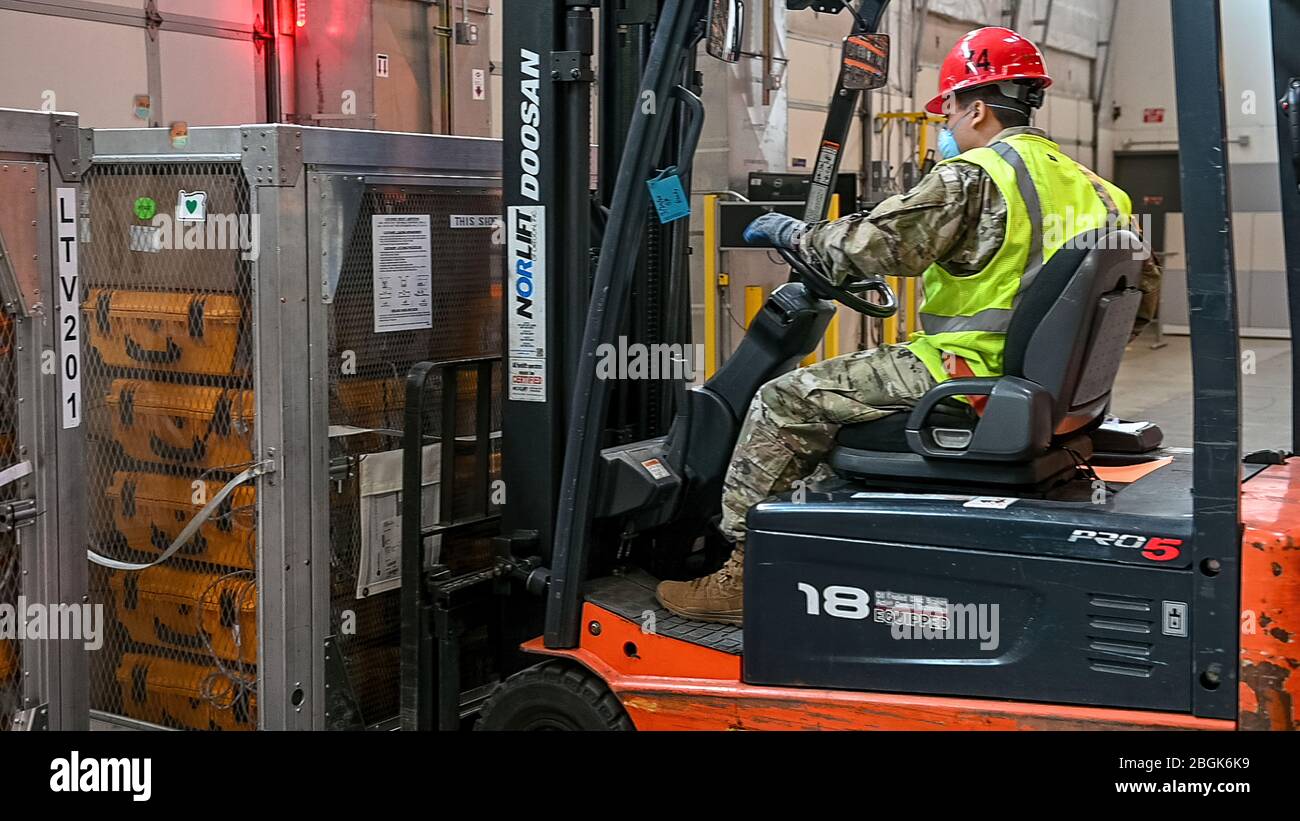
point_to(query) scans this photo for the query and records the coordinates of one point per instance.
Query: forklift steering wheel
(850, 295)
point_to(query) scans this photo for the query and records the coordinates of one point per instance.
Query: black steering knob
(852, 295)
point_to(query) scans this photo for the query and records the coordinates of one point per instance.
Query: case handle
(167, 357)
(172, 453)
(169, 636)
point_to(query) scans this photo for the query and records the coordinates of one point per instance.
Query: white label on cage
(403, 272)
(526, 302)
(69, 308)
(381, 65)
(145, 239)
(474, 220)
(381, 517)
(192, 206)
(478, 80)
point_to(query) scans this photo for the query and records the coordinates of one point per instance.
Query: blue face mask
(948, 147)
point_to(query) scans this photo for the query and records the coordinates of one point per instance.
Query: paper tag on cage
(669, 196)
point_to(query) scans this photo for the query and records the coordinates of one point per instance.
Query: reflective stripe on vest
(998, 320)
(992, 320)
(969, 316)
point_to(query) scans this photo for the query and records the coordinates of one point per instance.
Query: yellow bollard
(711, 253)
(754, 298)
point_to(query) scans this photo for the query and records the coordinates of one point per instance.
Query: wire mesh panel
(168, 381)
(10, 570)
(369, 363)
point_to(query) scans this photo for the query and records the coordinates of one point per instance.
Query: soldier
(967, 230)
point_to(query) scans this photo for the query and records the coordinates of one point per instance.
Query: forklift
(1032, 567)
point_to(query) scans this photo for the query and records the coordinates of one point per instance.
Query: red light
(301, 20)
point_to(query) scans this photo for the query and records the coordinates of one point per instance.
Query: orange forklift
(1035, 567)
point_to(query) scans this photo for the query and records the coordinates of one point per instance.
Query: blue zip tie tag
(669, 196)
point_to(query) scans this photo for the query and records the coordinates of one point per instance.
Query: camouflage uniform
(793, 420)
(956, 216)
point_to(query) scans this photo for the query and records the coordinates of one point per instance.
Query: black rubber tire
(553, 695)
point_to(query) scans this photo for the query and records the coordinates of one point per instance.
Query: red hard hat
(988, 55)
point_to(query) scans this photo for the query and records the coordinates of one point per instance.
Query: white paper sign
(403, 272)
(381, 517)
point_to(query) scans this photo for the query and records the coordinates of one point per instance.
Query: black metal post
(1216, 353)
(538, 281)
(416, 699)
(571, 68)
(1286, 68)
(483, 440)
(432, 601)
(839, 121)
(649, 128)
(271, 20)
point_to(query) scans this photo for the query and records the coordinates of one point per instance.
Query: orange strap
(959, 368)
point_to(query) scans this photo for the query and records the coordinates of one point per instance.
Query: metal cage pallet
(253, 301)
(42, 567)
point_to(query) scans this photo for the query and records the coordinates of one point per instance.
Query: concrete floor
(1156, 385)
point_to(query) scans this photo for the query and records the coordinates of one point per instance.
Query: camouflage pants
(793, 420)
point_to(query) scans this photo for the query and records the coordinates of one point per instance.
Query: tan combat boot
(716, 598)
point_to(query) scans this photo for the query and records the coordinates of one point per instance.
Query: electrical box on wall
(467, 34)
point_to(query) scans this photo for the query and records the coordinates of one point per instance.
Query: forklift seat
(1064, 344)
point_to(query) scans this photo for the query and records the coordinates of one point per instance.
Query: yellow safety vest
(1050, 199)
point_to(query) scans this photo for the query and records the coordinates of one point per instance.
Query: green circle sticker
(145, 208)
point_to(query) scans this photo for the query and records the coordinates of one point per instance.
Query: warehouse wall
(95, 57)
(1143, 78)
(202, 66)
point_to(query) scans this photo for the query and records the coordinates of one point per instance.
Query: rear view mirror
(726, 29)
(865, 62)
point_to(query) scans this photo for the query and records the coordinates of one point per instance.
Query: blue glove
(776, 230)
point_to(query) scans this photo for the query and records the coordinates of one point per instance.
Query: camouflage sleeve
(1152, 273)
(955, 215)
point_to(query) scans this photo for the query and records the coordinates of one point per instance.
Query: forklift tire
(553, 695)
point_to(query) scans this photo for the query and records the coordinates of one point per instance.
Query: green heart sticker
(145, 208)
(191, 205)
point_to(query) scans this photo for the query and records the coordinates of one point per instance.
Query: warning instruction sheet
(403, 268)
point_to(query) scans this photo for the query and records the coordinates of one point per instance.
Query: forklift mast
(559, 311)
(1216, 351)
(555, 224)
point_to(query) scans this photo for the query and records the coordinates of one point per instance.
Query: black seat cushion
(1034, 304)
(888, 433)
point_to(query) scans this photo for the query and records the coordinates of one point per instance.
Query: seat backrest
(1071, 324)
